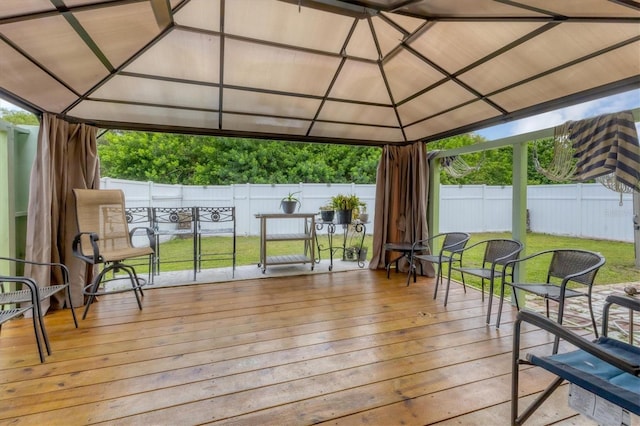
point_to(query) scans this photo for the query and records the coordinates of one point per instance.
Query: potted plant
(327, 213)
(290, 202)
(344, 206)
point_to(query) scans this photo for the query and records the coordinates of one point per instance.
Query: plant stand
(357, 230)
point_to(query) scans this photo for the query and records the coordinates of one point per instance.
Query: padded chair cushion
(597, 376)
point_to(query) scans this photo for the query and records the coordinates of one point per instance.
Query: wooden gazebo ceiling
(364, 72)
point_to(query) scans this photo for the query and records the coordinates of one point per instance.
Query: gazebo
(394, 74)
(397, 74)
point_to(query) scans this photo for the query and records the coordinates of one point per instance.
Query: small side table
(405, 251)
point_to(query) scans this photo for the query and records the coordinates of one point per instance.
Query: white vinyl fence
(580, 210)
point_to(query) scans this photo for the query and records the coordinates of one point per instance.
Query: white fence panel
(580, 210)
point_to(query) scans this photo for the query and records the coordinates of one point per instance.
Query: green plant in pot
(327, 213)
(290, 202)
(344, 206)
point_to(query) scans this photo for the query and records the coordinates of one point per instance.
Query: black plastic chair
(497, 253)
(606, 367)
(29, 296)
(449, 243)
(565, 266)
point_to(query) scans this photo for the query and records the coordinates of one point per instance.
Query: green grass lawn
(619, 267)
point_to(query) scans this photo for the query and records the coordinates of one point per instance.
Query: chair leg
(135, 284)
(73, 312)
(500, 304)
(438, 274)
(93, 289)
(438, 281)
(43, 330)
(446, 293)
(593, 319)
(36, 313)
(490, 300)
(556, 341)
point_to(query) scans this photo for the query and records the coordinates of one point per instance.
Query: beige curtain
(66, 158)
(402, 184)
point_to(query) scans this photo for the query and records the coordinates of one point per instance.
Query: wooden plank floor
(343, 348)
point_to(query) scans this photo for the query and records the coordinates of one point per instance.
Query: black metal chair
(29, 296)
(449, 243)
(175, 222)
(497, 253)
(565, 266)
(216, 221)
(605, 368)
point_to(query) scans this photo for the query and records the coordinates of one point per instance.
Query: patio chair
(175, 222)
(104, 239)
(449, 243)
(497, 253)
(141, 218)
(606, 368)
(216, 221)
(25, 295)
(565, 266)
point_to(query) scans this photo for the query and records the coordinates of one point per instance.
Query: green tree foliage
(203, 160)
(18, 117)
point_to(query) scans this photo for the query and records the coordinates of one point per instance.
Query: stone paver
(577, 311)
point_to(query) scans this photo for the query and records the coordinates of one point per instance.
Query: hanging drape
(66, 158)
(402, 187)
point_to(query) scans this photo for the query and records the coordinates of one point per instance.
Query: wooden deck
(344, 348)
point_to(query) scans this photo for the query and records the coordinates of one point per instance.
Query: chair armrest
(512, 263)
(63, 268)
(33, 287)
(425, 243)
(77, 247)
(625, 301)
(580, 342)
(471, 246)
(151, 235)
